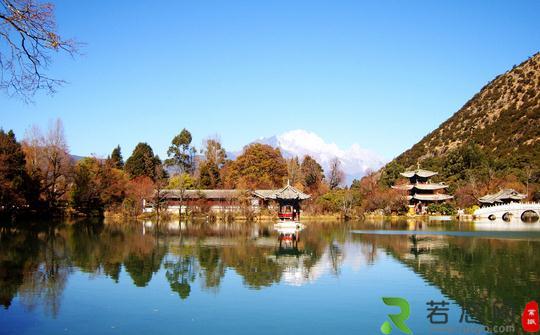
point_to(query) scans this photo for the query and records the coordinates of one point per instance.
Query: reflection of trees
(180, 273)
(492, 279)
(33, 265)
(16, 253)
(213, 268)
(252, 263)
(336, 257)
(141, 267)
(36, 264)
(97, 248)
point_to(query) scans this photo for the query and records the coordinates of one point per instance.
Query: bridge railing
(514, 206)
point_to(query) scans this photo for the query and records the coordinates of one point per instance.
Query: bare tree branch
(28, 32)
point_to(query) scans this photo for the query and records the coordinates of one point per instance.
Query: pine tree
(142, 162)
(116, 158)
(181, 153)
(13, 176)
(312, 173)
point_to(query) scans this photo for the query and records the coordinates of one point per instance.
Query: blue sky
(382, 74)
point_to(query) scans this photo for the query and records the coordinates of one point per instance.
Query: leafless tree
(347, 205)
(28, 37)
(528, 174)
(160, 196)
(49, 161)
(335, 174)
(213, 151)
(294, 171)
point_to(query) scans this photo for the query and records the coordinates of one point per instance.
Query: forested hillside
(495, 135)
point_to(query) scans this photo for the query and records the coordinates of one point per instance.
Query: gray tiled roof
(504, 194)
(288, 192)
(421, 186)
(420, 173)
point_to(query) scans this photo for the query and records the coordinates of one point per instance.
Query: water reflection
(491, 277)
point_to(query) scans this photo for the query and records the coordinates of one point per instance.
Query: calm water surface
(95, 278)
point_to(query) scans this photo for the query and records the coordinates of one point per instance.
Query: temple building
(286, 200)
(420, 189)
(504, 196)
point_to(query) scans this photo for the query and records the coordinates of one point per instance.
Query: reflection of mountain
(492, 279)
(36, 265)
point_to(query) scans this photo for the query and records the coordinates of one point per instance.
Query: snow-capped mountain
(355, 160)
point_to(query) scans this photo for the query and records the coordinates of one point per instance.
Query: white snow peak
(355, 160)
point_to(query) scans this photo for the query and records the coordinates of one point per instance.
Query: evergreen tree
(391, 173)
(209, 176)
(181, 153)
(116, 158)
(312, 173)
(142, 162)
(13, 176)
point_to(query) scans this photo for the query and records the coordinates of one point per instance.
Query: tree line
(38, 176)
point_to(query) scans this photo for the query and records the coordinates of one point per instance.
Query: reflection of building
(420, 189)
(504, 196)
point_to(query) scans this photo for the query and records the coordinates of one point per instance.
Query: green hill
(495, 134)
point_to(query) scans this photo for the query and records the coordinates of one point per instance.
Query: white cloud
(355, 160)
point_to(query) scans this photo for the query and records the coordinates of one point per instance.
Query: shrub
(444, 208)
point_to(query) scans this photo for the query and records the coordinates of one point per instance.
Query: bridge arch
(507, 216)
(530, 216)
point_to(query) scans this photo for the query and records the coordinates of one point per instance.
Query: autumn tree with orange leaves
(259, 166)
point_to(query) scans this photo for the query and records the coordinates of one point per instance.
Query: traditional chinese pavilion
(420, 189)
(504, 196)
(288, 199)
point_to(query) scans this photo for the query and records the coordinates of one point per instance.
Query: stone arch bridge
(524, 211)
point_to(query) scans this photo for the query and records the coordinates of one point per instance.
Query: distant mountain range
(77, 158)
(356, 161)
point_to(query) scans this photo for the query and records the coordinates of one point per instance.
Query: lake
(88, 277)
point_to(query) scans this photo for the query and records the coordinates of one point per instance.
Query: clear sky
(382, 74)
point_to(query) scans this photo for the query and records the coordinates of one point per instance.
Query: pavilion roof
(421, 186)
(420, 173)
(404, 187)
(286, 193)
(430, 186)
(504, 194)
(197, 194)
